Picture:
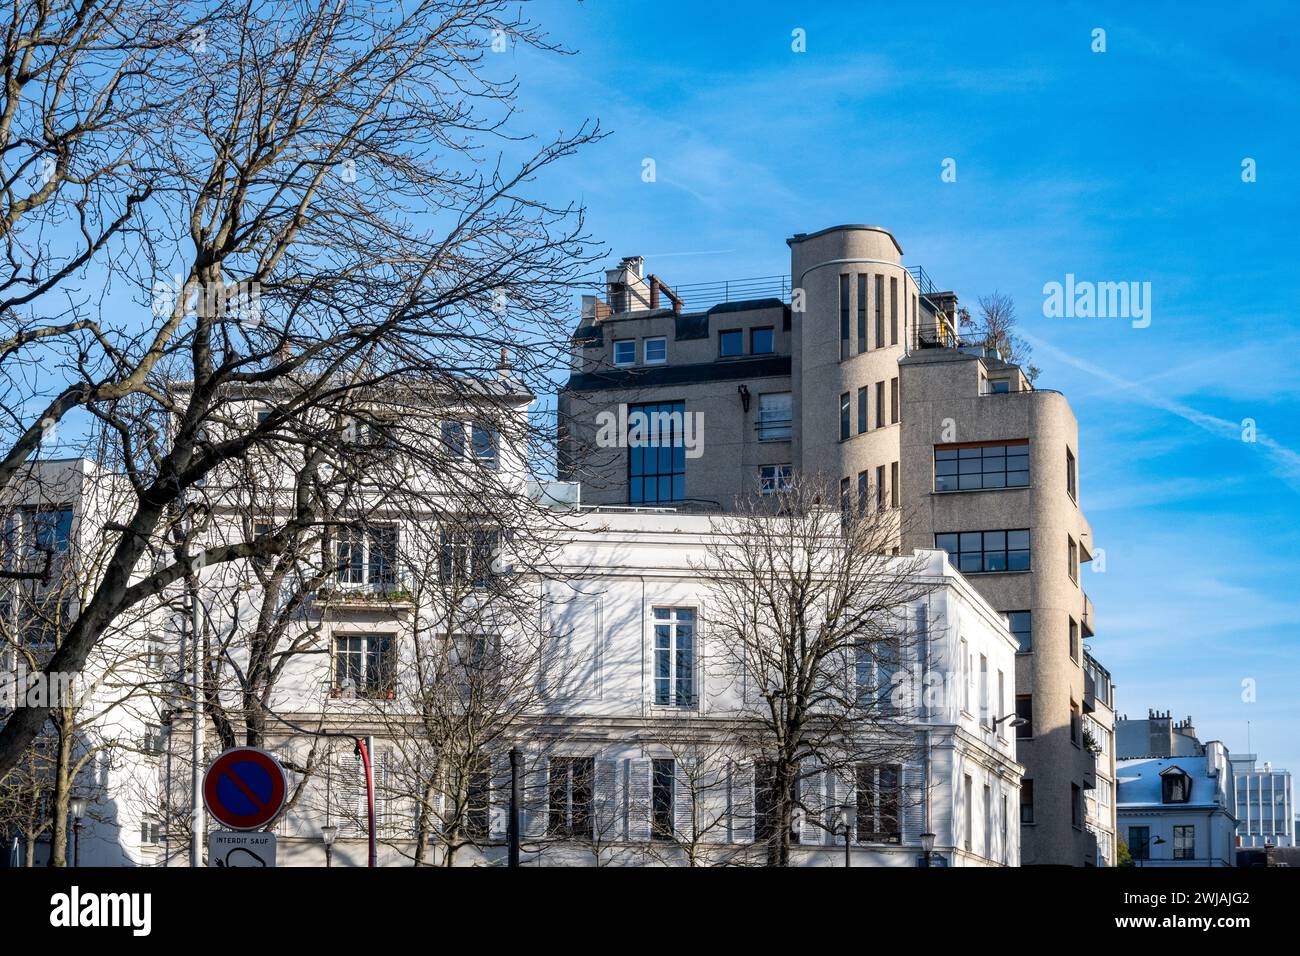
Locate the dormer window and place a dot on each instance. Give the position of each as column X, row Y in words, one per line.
column 625, row 352
column 1175, row 786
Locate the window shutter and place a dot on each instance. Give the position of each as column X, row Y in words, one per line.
column 812, row 832
column 499, row 799
column 609, row 801
column 741, row 809
column 348, row 811
column 536, row 798
column 684, row 796
column 913, row 804
column 839, row 800
column 638, row 804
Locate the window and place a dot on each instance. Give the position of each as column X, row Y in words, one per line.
column 974, row 552
column 1076, row 805
column 981, row 466
column 862, row 312
column 893, row 485
column 44, row 530
column 152, row 740
column 893, row 400
column 844, row 495
column 1139, row 843
column 465, row 557
column 1076, row 725
column 661, row 800
column 875, row 669
column 880, row 404
column 964, row 664
column 150, row 831
column 775, row 416
column 967, row 814
column 986, row 716
column 844, row 317
column 1074, row 641
column 880, row 312
column 1026, row 801
column 893, row 310
column 1025, row 711
column 1022, row 629
column 880, row 487
column 1175, row 786
column 988, row 822
column 363, row 665
column 453, row 439
column 1006, row 850
column 656, row 351
column 762, row 341
column 1072, row 556
column 999, row 705
column 1071, row 475
column 263, row 416
column 879, row 796
column 624, row 352
column 478, row 802
column 656, row 468
column 366, row 554
column 674, row 636
column 570, row 797
column 1184, row 843
column 844, row 416
column 731, row 343
column 864, row 486
column 999, row 386
column 862, row 410
column 483, row 441
column 774, row 479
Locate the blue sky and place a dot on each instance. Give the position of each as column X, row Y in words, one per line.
column 1117, row 166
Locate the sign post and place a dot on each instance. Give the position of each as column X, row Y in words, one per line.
column 244, row 789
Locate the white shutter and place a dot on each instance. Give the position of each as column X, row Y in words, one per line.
column 536, row 798
column 685, row 793
column 638, row 803
column 499, row 799
column 609, row 801
column 345, row 794
column 912, row 809
column 812, row 832
column 741, row 808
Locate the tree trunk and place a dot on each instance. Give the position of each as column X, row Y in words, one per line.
column 62, row 794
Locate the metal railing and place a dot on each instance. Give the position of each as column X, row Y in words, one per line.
column 698, row 296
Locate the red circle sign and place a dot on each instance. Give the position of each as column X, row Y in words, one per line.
column 244, row 788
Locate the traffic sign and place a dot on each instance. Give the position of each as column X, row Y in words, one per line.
column 240, row 849
column 244, row 788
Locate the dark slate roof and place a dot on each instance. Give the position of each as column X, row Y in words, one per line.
column 772, row 366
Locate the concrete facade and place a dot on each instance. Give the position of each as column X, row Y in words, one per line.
column 1265, row 803
column 880, row 388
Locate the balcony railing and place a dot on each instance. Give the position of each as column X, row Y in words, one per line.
column 774, row 429
column 699, row 296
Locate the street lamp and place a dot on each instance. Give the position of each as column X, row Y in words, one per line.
column 1148, row 845
column 844, row 824
column 328, row 834
column 927, row 847
column 77, row 807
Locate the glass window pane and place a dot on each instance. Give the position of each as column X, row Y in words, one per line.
column 1018, row 539
column 1018, row 561
column 971, row 541
column 948, row 542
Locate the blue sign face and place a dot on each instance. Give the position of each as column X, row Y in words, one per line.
column 245, row 788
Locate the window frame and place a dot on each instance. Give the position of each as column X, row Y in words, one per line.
column 982, row 454
column 724, row 336
column 957, row 556
column 384, row 686
column 676, row 450
column 753, row 340
column 645, row 350
column 614, row 347
column 673, row 618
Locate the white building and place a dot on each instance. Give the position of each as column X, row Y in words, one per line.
column 1178, row 810
column 1265, row 806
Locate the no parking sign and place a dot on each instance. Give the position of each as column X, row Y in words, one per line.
column 244, row 788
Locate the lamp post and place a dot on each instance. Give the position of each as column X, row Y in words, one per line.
column 328, row 834
column 76, row 807
column 845, row 825
column 1148, row 845
column 927, row 847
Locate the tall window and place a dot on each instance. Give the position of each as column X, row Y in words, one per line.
column 1184, row 843
column 1072, row 556
column 1025, row 711
column 981, row 466
column 864, row 492
column 1022, row 629
column 879, row 795
column 974, row 552
column 988, row 822
column 893, row 485
column 862, row 410
column 893, row 310
column 483, row 441
column 656, row 470
column 967, row 812
column 880, row 487
column 731, row 343
column 465, row 557
column 880, row 404
column 775, row 416
column 366, row 554
column 1071, row 475
column 1074, row 641
column 1076, row 805
column 661, row 799
column 1076, row 725
column 893, row 400
column 875, row 668
column 1026, row 801
column 674, row 635
column 986, row 716
column 862, row 312
column 880, row 312
column 363, row 664
column 844, row 416
column 844, row 317
column 569, row 810
column 1139, row 843
column 478, row 801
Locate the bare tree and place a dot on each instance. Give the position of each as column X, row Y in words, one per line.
column 807, row 606
column 322, row 219
column 996, row 329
